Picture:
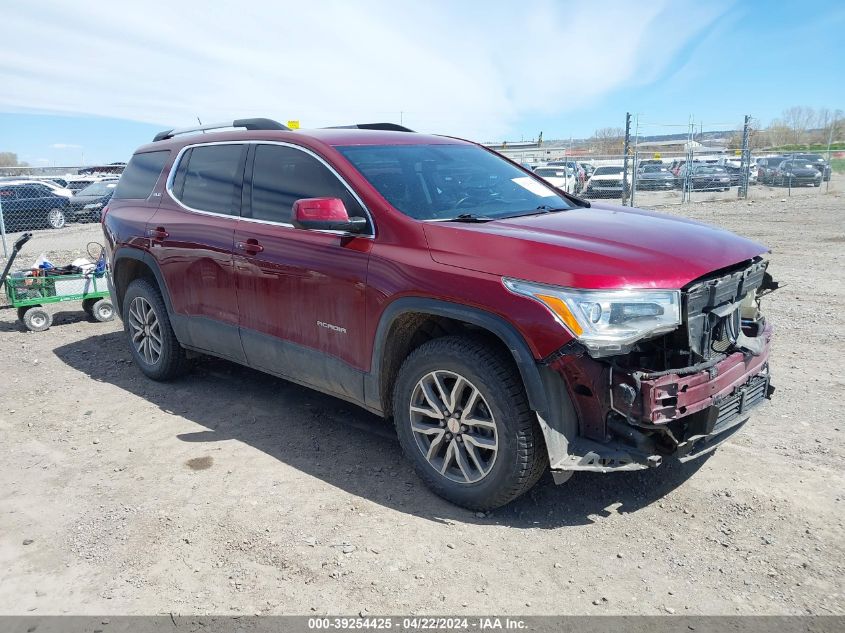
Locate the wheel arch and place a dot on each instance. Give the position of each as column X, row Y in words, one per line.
column 129, row 264
column 407, row 322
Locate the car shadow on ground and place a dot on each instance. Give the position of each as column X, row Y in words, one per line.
column 346, row 446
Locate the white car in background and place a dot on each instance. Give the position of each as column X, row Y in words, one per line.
column 57, row 189
column 559, row 176
column 607, row 181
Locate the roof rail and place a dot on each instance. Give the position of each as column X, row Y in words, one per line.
column 249, row 124
column 392, row 127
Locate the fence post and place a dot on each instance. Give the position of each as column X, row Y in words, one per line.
column 829, row 164
column 745, row 162
column 625, row 199
column 3, row 231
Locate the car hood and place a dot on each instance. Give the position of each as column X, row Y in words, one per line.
column 606, row 246
column 81, row 200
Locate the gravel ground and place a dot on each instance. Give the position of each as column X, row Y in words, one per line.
column 233, row 492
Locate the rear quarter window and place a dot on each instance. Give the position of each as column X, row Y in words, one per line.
column 141, row 174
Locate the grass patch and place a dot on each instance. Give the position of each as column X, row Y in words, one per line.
column 838, row 165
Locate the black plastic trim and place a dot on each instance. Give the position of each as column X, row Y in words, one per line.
column 506, row 332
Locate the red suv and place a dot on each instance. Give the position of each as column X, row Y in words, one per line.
column 505, row 326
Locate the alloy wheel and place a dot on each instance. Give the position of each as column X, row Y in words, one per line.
column 145, row 330
column 454, row 427
column 56, row 218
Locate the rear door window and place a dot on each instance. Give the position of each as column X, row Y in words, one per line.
column 212, row 178
column 141, row 174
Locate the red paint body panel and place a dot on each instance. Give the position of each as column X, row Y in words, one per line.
column 302, row 278
column 599, row 247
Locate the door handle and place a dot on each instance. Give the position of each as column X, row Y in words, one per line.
column 250, row 246
column 157, row 234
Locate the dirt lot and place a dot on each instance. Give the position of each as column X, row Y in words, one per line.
column 233, row 492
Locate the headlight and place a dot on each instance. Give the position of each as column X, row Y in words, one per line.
column 606, row 322
column 93, row 205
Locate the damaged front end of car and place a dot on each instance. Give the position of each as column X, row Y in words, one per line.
column 676, row 393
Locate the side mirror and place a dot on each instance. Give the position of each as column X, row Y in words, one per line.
column 325, row 214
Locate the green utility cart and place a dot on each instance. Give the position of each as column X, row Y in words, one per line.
column 29, row 293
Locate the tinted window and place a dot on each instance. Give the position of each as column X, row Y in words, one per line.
column 140, row 175
column 213, row 178
column 282, row 175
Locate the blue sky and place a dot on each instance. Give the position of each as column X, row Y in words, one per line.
column 101, row 81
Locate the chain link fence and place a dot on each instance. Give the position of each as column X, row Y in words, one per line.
column 649, row 164
column 51, row 199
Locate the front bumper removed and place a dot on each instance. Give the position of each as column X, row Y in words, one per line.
column 696, row 409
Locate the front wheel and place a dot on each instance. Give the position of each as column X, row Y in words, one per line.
column 37, row 319
column 463, row 420
column 55, row 218
column 152, row 341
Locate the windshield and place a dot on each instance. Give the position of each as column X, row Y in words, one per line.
column 604, row 171
column 653, row 169
column 441, row 182
column 550, row 172
column 97, row 189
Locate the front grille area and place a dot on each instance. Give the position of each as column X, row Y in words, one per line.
column 703, row 299
column 741, row 400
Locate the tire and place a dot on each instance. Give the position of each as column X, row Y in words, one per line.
column 56, row 218
column 88, row 306
column 37, row 319
column 493, row 478
column 103, row 310
column 161, row 357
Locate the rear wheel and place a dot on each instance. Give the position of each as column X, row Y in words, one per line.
column 152, row 341
column 37, row 319
column 463, row 420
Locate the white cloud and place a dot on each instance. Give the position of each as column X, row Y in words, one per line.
column 65, row 146
column 474, row 69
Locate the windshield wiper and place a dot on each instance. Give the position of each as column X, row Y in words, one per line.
column 467, row 217
column 543, row 208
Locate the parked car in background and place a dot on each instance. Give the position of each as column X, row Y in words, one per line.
column 766, row 168
column 818, row 162
column 733, row 165
column 88, row 203
column 560, row 177
column 31, row 205
column 705, row 177
column 588, row 169
column 57, row 188
column 655, row 177
column 75, row 183
column 675, row 167
column 577, row 169
column 796, row 173
column 505, row 327
column 606, row 182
